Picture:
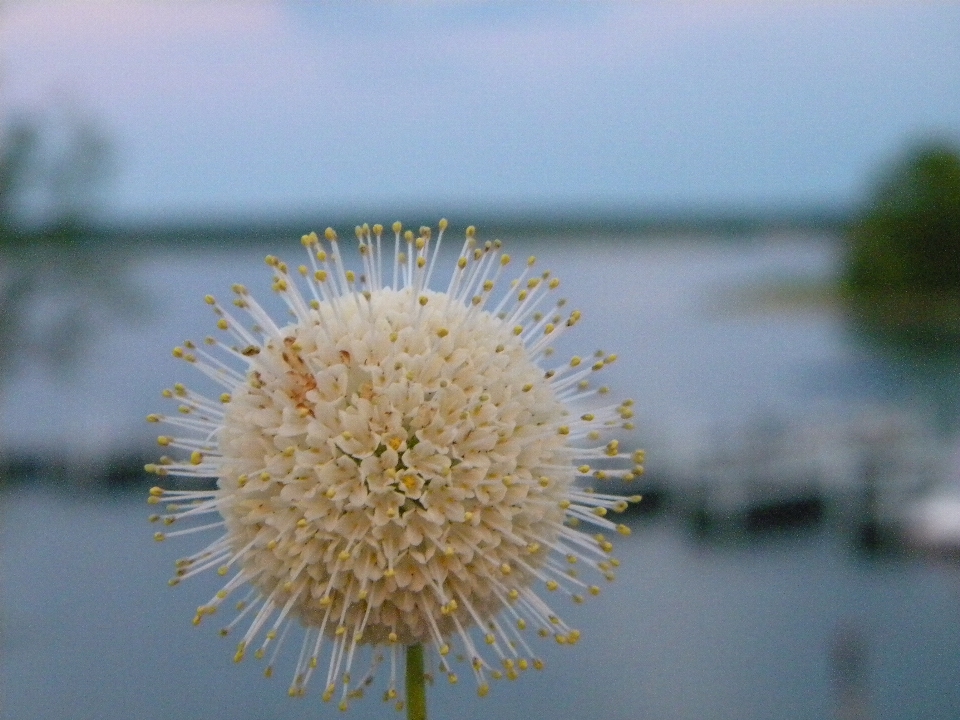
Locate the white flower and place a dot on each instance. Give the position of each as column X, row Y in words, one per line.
column 394, row 466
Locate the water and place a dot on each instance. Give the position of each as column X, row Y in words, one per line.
column 91, row 631
column 690, row 630
column 692, row 350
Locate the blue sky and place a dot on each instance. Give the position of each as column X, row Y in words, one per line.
column 252, row 109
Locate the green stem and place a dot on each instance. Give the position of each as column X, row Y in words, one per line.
column 416, row 684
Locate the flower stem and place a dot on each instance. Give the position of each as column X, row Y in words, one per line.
column 416, row 684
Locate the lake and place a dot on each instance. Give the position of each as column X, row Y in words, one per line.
column 790, row 624
column 689, row 630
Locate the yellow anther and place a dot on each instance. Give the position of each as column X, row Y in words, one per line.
column 505, row 568
column 489, row 639
column 330, row 234
column 563, row 430
column 521, row 624
column 483, row 690
column 552, row 585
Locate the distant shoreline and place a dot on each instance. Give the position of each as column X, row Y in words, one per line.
column 730, row 225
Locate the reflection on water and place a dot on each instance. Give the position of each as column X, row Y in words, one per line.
column 795, row 625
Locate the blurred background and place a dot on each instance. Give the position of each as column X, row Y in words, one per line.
column 755, row 204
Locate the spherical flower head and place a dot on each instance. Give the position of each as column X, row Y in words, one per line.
column 394, row 466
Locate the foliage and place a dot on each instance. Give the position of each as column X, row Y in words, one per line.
column 903, row 262
column 52, row 281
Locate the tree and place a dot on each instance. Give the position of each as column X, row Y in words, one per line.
column 903, row 260
column 52, row 279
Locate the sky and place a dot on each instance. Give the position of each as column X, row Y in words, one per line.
column 265, row 109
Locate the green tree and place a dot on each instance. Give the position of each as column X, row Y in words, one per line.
column 903, row 261
column 53, row 279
